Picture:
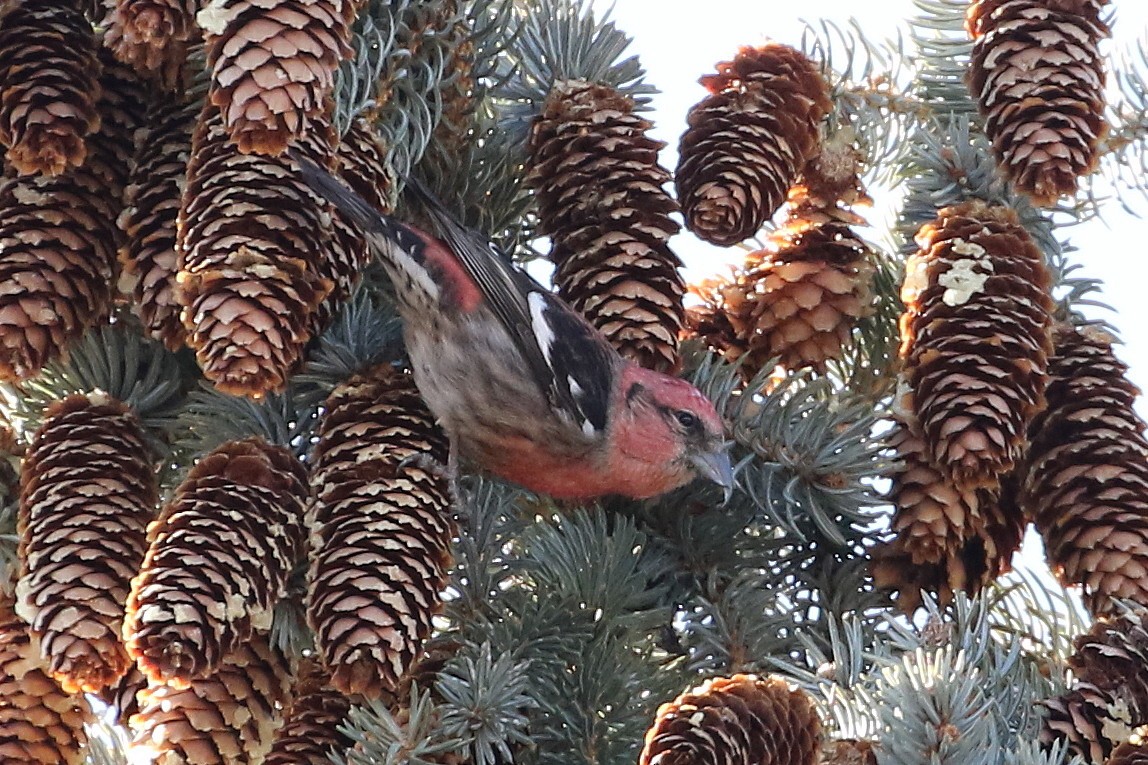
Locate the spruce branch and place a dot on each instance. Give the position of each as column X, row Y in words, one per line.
column 365, row 332
column 628, row 572
column 557, row 40
column 805, row 452
column 117, row 360
column 484, row 703
column 403, row 61
column 1124, row 150
column 943, row 53
column 211, row 418
column 381, row 738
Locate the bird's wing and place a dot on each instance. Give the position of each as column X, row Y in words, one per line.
column 568, row 358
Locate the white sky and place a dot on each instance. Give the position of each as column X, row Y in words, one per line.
column 677, row 41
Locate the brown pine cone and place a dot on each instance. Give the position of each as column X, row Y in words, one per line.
column 151, row 210
column 1038, row 76
column 380, row 545
column 1129, row 753
column 311, row 724
column 1087, row 470
column 218, row 559
column 49, row 85
column 1113, row 656
column 40, row 724
column 599, row 186
column 1089, row 720
column 739, row 720
column 745, row 143
column 848, row 751
column 225, row 719
column 975, row 339
column 947, row 539
column 798, row 299
column 88, row 490
column 251, row 239
column 58, row 239
column 154, row 36
column 273, row 67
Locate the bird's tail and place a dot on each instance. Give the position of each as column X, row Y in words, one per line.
column 356, row 209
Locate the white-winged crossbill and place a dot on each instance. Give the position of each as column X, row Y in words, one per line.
column 523, row 385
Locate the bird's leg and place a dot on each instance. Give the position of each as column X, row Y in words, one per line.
column 448, row 472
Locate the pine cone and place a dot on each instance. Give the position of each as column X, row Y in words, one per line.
column 88, row 491
column 1090, row 720
column 599, row 188
column 459, row 90
column 380, row 545
column 311, row 725
column 218, row 559
column 154, row 36
column 273, row 66
column 58, row 239
column 975, row 338
column 40, row 724
column 1038, row 77
column 848, row 751
column 1086, row 472
column 799, row 298
column 739, row 720
column 1113, row 656
column 48, row 85
column 226, row 719
column 947, row 540
column 745, row 143
column 360, row 159
column 123, row 697
column 251, row 237
column 1129, row 754
column 151, row 211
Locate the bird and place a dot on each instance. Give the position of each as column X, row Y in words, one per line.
column 523, row 386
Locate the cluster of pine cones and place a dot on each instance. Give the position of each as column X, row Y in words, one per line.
column 146, row 164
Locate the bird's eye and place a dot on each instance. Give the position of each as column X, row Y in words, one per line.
column 686, row 419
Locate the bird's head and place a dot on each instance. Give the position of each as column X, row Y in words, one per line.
column 665, row 433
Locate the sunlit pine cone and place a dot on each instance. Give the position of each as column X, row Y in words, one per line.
column 273, row 66
column 1086, row 475
column 975, row 339
column 49, row 84
column 739, row 720
column 154, row 36
column 251, row 242
column 40, row 724
column 88, row 490
column 151, row 210
column 746, row 142
column 601, row 201
column 1091, row 721
column 1038, row 76
column 798, row 299
column 218, row 559
column 311, row 724
column 381, row 525
column 58, row 238
column 227, row 718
